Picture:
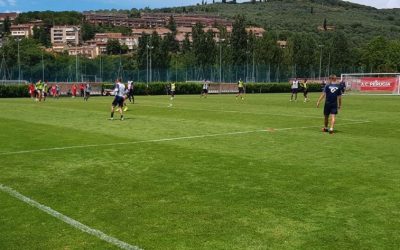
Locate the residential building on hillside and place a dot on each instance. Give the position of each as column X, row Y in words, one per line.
column 101, row 40
column 65, row 34
column 20, row 31
column 154, row 20
column 88, row 51
column 12, row 16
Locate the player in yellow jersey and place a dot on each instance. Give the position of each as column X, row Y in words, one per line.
column 304, row 86
column 240, row 89
column 172, row 90
column 39, row 90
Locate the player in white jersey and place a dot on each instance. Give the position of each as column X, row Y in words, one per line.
column 295, row 89
column 130, row 89
column 204, row 92
column 119, row 99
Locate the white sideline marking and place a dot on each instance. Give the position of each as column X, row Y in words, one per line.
column 248, row 112
column 68, row 220
column 170, row 139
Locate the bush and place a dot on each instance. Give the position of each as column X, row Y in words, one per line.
column 14, row 91
column 276, row 88
column 161, row 88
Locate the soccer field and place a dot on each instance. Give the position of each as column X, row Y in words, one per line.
column 215, row 173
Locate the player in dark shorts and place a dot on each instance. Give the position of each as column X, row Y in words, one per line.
column 295, row 89
column 240, row 89
column 304, row 86
column 333, row 103
column 342, row 87
column 88, row 89
column 119, row 99
column 131, row 87
column 204, row 92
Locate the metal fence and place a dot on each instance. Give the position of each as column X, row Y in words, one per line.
column 91, row 71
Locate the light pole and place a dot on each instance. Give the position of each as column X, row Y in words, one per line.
column 320, row 60
column 220, row 59
column 253, row 73
column 149, row 74
column 42, row 67
column 19, row 64
column 329, row 64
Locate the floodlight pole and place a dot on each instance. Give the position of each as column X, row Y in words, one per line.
column 149, row 68
column 42, row 67
column 220, row 59
column 320, row 60
column 253, row 73
column 147, row 64
column 19, row 64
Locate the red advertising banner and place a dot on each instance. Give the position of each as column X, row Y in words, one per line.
column 379, row 84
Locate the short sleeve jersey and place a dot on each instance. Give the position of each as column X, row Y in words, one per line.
column 119, row 89
column 332, row 91
column 295, row 84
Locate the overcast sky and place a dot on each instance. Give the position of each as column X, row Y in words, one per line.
column 28, row 5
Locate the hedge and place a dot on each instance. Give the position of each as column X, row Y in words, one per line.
column 277, row 88
column 14, row 91
column 161, row 88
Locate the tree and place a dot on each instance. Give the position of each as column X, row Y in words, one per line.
column 239, row 41
column 303, row 53
column 172, row 45
column 88, row 31
column 115, row 48
column 375, row 55
column 340, row 53
column 42, row 35
column 172, row 24
column 204, row 47
column 7, row 25
column 144, row 40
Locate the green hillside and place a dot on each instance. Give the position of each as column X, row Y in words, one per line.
column 358, row 21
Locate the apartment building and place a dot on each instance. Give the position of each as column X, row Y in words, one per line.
column 89, row 51
column 65, row 35
column 12, row 16
column 21, row 31
column 101, row 40
column 154, row 20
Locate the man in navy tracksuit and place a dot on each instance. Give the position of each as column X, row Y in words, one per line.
column 333, row 94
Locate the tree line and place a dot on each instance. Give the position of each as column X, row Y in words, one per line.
column 239, row 54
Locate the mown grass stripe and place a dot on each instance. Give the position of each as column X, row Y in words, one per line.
column 68, row 220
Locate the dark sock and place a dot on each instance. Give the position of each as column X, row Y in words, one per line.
column 112, row 114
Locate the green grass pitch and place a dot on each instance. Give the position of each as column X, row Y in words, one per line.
column 186, row 177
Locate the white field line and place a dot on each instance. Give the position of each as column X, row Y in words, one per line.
column 68, row 220
column 247, row 112
column 170, row 139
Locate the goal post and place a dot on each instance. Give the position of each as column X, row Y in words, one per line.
column 372, row 83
